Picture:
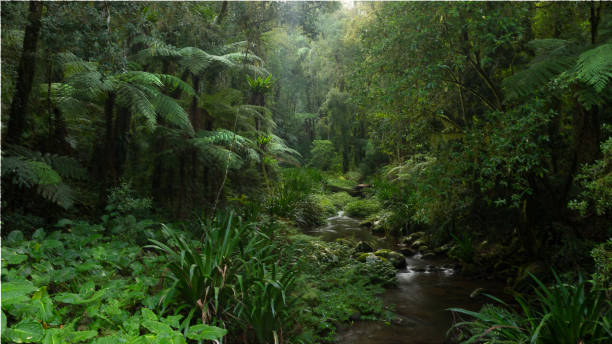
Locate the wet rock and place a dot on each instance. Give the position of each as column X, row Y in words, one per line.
column 408, row 252
column 363, row 246
column 428, row 255
column 355, row 316
column 397, row 259
column 423, row 248
column 419, row 242
column 443, row 249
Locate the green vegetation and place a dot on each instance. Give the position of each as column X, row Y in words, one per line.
column 159, row 161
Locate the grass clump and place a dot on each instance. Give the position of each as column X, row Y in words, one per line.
column 559, row 314
column 362, row 208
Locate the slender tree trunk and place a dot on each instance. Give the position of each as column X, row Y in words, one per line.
column 25, row 75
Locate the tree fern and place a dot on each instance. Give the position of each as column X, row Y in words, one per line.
column 594, row 66
column 167, row 108
column 26, row 172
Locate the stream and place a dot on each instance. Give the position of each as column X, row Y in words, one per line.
column 426, row 288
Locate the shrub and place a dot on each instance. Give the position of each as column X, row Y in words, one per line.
column 325, row 203
column 341, row 199
column 323, row 156
column 362, row 208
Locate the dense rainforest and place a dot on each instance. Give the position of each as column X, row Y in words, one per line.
column 306, row 172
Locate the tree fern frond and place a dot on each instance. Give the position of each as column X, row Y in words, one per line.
column 549, row 46
column 135, row 99
column 535, row 76
column 87, row 85
column 279, row 149
column 72, row 64
column 29, row 173
column 155, row 48
column 222, row 137
column 167, row 108
column 60, row 194
column 594, row 66
column 66, row 166
column 172, row 83
column 224, row 49
column 140, row 78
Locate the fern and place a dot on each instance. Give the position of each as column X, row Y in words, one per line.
column 594, row 66
column 28, row 173
column 167, row 108
column 67, row 167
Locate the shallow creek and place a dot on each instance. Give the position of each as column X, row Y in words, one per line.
column 426, row 288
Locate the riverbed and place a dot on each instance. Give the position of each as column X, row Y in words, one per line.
column 426, row 289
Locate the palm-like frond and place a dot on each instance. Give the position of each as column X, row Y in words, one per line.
column 167, row 108
column 279, row 150
column 31, row 169
column 594, row 66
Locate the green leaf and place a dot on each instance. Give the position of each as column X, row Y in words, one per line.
column 3, row 317
column 156, row 326
column 43, row 303
column 76, row 299
column 79, row 336
column 16, row 292
column 25, row 332
column 200, row 332
column 148, row 314
column 13, row 258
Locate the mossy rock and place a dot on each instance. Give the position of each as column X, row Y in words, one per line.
column 362, row 208
column 367, row 257
column 397, row 259
column 363, row 246
column 411, row 238
column 419, row 243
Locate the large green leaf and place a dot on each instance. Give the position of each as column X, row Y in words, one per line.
column 44, row 305
column 200, row 332
column 16, row 292
column 76, row 299
column 25, row 332
column 156, row 326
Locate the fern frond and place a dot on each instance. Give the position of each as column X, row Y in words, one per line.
column 65, row 166
column 168, row 109
column 594, row 66
column 279, row 149
column 536, row 76
column 172, row 83
column 138, row 101
column 31, row 173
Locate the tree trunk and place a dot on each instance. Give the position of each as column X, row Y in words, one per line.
column 25, row 75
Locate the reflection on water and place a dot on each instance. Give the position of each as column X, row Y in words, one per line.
column 426, row 288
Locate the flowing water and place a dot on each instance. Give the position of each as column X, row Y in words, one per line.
column 426, row 288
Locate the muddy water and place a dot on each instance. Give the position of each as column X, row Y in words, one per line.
column 426, row 288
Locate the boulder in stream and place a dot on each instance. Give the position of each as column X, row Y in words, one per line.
column 397, row 259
